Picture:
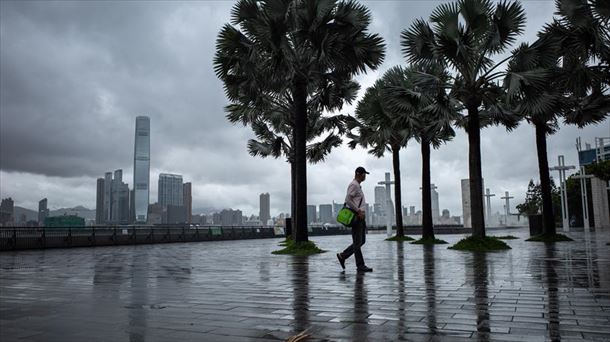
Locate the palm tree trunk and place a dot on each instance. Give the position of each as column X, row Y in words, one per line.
column 300, row 158
column 400, row 232
column 292, row 198
column 474, row 171
column 427, row 224
column 545, row 181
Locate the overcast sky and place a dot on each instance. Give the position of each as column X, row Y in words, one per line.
column 74, row 75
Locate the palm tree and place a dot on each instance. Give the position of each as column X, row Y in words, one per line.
column 465, row 34
column 429, row 112
column 275, row 140
column 531, row 87
column 383, row 129
column 272, row 122
column 583, row 27
column 552, row 79
column 296, row 49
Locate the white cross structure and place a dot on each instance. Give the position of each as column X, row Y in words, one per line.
column 562, row 168
column 507, row 198
column 488, row 197
column 388, row 203
column 583, row 192
column 432, row 187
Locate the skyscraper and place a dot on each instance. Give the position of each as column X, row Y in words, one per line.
column 466, row 210
column 187, row 200
column 99, row 202
column 7, row 211
column 380, row 195
column 311, row 214
column 141, row 168
column 265, row 209
column 119, row 203
column 326, row 213
column 43, row 212
column 171, row 191
column 107, row 197
column 436, row 213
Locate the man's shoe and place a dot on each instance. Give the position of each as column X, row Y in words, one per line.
column 365, row 269
column 341, row 260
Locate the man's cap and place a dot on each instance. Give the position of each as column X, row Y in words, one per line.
column 361, row 170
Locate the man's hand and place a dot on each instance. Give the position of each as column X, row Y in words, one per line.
column 360, row 214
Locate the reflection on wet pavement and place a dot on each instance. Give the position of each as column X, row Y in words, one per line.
column 238, row 291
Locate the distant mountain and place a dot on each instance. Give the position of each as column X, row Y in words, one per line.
column 32, row 215
column 80, row 211
column 206, row 211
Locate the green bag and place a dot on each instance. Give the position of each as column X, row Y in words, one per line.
column 345, row 216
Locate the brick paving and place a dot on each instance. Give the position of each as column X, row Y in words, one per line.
column 238, row 291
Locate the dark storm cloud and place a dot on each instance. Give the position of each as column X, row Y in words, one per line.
column 74, row 75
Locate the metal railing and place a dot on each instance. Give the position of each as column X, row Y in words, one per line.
column 19, row 238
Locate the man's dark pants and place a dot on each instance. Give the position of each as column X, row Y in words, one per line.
column 358, row 239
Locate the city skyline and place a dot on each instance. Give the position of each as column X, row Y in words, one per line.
column 159, row 65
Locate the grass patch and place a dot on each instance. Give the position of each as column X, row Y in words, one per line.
column 400, row 238
column 299, row 248
column 477, row 244
column 506, row 237
column 549, row 238
column 428, row 241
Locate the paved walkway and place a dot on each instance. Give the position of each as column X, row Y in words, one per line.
column 238, row 291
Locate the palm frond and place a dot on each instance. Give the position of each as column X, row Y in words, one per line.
column 265, row 149
column 318, row 151
column 508, row 22
column 476, row 14
column 418, row 42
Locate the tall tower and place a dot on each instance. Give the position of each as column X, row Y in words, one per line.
column 187, row 195
column 265, row 210
column 141, row 168
column 170, row 190
column 107, row 196
column 99, row 202
column 43, row 212
column 436, row 213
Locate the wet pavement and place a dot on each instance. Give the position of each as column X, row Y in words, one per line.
column 238, row 291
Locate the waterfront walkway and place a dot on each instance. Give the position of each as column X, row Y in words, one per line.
column 238, row 291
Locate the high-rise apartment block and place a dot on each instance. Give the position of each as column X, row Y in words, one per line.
column 112, row 199
column 436, row 213
column 466, row 209
column 99, row 202
column 311, row 214
column 141, row 168
column 326, row 213
column 265, row 209
column 7, row 211
column 171, row 191
column 43, row 211
column 187, row 195
column 229, row 217
column 107, row 196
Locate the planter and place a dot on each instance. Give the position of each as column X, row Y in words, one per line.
column 535, row 223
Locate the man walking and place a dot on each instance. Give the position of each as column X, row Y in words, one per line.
column 354, row 200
